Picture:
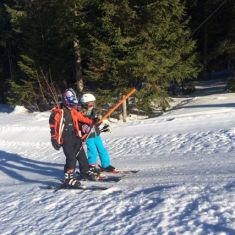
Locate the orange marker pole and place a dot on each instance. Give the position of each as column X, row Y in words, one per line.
column 117, row 105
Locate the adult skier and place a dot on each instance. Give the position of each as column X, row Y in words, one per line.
column 94, row 142
column 65, row 131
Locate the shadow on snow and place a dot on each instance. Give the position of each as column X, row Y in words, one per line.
column 17, row 167
column 209, row 228
column 6, row 108
column 151, row 190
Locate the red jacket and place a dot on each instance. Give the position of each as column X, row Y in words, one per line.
column 57, row 125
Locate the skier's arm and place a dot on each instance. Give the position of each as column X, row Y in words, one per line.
column 83, row 119
column 53, row 122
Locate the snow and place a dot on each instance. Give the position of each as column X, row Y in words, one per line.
column 186, row 182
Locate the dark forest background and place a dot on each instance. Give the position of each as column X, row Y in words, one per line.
column 105, row 47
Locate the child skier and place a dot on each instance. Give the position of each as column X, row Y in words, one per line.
column 64, row 125
column 94, row 142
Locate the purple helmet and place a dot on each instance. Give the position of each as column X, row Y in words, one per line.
column 70, row 97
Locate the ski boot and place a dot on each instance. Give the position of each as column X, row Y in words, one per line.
column 95, row 170
column 71, row 182
column 89, row 175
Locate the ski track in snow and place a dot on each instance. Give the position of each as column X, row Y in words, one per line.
column 204, row 142
column 186, row 184
column 172, row 209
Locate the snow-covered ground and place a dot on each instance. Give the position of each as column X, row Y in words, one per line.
column 186, row 182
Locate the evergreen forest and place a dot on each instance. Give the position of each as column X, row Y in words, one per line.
column 106, row 47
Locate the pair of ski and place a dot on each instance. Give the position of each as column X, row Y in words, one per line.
column 106, row 179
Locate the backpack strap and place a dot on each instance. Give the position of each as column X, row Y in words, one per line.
column 61, row 126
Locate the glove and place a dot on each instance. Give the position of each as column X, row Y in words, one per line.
column 55, row 145
column 106, row 128
column 86, row 129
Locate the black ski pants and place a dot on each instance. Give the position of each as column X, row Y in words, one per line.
column 71, row 146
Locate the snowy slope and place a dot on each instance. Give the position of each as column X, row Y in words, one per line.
column 186, row 184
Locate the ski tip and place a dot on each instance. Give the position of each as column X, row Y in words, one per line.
column 118, row 171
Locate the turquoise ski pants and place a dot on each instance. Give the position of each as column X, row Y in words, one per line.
column 94, row 146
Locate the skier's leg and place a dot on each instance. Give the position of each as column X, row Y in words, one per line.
column 103, row 153
column 70, row 165
column 91, row 151
column 82, row 160
column 68, row 148
column 85, row 172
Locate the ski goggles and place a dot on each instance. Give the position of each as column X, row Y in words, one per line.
column 70, row 98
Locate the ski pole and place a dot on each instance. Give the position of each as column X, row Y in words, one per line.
column 83, row 140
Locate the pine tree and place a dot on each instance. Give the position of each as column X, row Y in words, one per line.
column 226, row 46
column 111, row 44
column 104, row 39
column 132, row 40
column 3, row 50
column 225, row 43
column 8, row 48
column 213, row 27
column 47, row 30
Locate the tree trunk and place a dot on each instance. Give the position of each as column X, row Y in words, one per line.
column 78, row 67
column 120, row 108
column 124, row 111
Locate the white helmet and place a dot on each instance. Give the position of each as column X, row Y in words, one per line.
column 87, row 98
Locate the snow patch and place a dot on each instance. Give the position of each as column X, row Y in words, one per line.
column 186, row 182
column 20, row 109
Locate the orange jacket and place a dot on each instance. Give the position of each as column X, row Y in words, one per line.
column 56, row 122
